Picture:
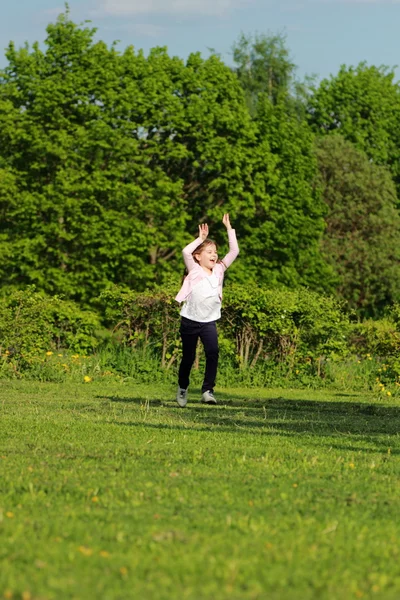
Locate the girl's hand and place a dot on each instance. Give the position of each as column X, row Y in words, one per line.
column 203, row 231
column 226, row 221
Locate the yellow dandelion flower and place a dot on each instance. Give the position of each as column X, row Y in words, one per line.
column 104, row 553
column 8, row 594
column 389, row 393
column 352, row 465
column 268, row 545
column 368, row 354
column 123, row 571
column 10, row 514
column 26, row 595
column 49, row 353
column 59, row 355
column 87, row 379
column 95, row 499
column 85, row 551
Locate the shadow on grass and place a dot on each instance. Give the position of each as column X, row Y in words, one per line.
column 346, row 421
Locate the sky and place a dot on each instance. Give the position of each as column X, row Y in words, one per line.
column 320, row 34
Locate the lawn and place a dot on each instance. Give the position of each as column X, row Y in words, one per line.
column 110, row 491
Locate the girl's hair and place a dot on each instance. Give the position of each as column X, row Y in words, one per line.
column 207, row 242
column 203, row 245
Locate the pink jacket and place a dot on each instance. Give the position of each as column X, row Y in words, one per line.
column 196, row 273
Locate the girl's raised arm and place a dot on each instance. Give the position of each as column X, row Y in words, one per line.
column 233, row 245
column 190, row 248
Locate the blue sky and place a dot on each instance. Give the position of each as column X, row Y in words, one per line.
column 321, row 34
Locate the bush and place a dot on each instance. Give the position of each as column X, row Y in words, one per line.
column 258, row 326
column 32, row 323
column 283, row 326
column 267, row 337
column 380, row 339
column 146, row 320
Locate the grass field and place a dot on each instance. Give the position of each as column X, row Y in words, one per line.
column 113, row 492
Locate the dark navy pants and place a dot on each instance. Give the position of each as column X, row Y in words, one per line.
column 190, row 332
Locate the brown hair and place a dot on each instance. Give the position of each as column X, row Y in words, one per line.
column 207, row 242
column 203, row 245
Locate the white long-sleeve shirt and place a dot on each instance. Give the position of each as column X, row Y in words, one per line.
column 204, row 303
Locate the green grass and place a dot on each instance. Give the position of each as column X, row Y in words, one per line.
column 111, row 491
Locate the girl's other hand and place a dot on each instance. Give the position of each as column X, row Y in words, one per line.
column 203, row 231
column 226, row 221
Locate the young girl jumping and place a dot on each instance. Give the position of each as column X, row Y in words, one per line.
column 201, row 294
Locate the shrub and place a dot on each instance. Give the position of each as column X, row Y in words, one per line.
column 32, row 323
column 145, row 320
column 257, row 325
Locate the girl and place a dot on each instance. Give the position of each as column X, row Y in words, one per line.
column 201, row 294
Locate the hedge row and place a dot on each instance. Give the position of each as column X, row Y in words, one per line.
column 259, row 326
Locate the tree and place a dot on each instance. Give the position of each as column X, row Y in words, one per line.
column 110, row 158
column 109, row 161
column 87, row 192
column 362, row 236
column 363, row 105
column 283, row 235
column 263, row 66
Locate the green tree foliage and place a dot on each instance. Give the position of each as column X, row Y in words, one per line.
column 362, row 104
column 285, row 233
column 108, row 162
column 89, row 192
column 263, row 66
column 362, row 237
column 108, row 152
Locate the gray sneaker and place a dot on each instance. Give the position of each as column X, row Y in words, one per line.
column 208, row 398
column 181, row 397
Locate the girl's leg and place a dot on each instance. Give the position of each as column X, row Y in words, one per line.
column 209, row 337
column 189, row 331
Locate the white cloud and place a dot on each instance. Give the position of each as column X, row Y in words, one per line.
column 130, row 8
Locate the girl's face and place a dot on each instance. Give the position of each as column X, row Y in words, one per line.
column 208, row 257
